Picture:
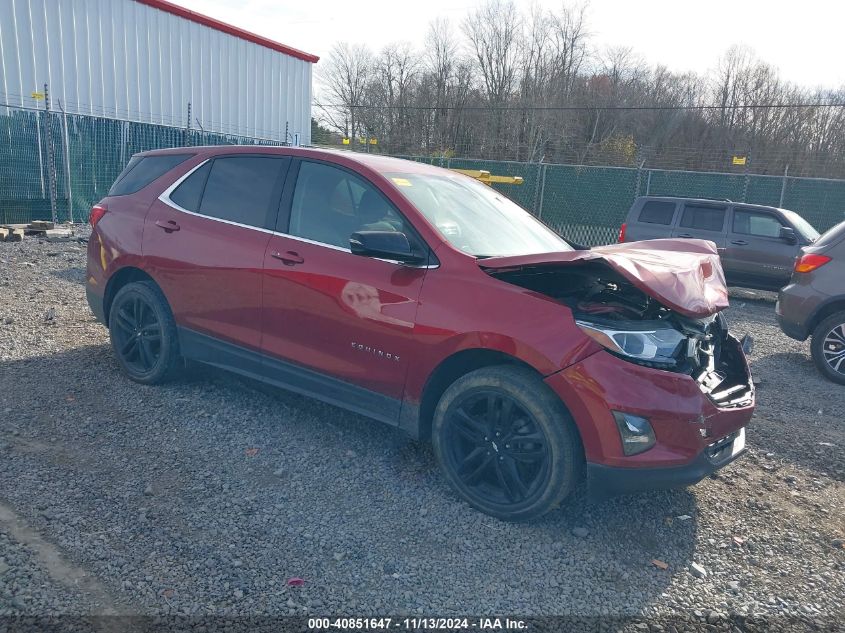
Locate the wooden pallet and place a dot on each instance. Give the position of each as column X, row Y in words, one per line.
column 15, row 232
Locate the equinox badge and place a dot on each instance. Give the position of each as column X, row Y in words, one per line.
column 374, row 351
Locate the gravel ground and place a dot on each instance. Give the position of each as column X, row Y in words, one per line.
column 207, row 496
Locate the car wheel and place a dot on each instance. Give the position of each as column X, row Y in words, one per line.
column 506, row 443
column 828, row 347
column 143, row 333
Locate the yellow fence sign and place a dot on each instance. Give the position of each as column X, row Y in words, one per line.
column 38, row 96
column 740, row 160
column 345, row 141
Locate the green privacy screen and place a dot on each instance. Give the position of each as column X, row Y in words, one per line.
column 79, row 157
column 588, row 204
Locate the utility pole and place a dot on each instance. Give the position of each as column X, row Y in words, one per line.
column 783, row 186
column 51, row 158
column 187, row 142
column 67, row 164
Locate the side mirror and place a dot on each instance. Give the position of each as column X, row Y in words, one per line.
column 787, row 234
column 384, row 244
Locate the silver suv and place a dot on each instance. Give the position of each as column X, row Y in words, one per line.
column 757, row 244
column 814, row 302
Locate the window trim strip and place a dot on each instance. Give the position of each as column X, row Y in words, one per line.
column 165, row 198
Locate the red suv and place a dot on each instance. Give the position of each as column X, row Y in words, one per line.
column 429, row 301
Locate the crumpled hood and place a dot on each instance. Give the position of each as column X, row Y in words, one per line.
column 684, row 275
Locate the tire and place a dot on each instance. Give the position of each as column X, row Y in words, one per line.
column 533, row 463
column 828, row 347
column 143, row 334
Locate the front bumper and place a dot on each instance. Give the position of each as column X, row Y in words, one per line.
column 686, row 419
column 609, row 480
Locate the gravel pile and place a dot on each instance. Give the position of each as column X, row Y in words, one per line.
column 215, row 495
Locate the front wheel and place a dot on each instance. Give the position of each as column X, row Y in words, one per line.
column 506, row 443
column 828, row 347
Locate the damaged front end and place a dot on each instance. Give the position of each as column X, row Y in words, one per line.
column 636, row 327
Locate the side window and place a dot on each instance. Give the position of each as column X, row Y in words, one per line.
column 188, row 194
column 242, row 189
column 703, row 218
column 756, row 223
column 330, row 204
column 142, row 170
column 656, row 212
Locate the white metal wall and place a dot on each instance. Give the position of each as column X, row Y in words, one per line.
column 126, row 60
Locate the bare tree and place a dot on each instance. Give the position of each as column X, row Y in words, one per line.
column 344, row 79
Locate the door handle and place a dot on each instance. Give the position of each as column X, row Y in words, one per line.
column 169, row 226
column 687, row 235
column 288, row 258
column 740, row 242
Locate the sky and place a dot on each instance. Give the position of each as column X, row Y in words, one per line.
column 804, row 40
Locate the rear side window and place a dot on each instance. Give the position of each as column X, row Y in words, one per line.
column 655, row 212
column 703, row 218
column 142, row 170
column 756, row 223
column 189, row 194
column 242, row 189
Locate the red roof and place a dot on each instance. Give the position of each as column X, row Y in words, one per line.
column 199, row 18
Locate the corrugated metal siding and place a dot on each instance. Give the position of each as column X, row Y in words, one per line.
column 126, row 60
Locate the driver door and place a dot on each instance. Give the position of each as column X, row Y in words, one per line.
column 346, row 317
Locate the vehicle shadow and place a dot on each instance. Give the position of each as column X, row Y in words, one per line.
column 309, row 487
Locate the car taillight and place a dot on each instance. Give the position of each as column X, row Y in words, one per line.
column 97, row 212
column 809, row 262
column 622, row 230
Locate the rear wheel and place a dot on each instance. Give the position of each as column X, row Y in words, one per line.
column 143, row 333
column 828, row 347
column 506, row 443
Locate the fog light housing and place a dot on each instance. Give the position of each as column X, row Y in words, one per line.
column 635, row 432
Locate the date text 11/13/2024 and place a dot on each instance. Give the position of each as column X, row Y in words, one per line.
column 441, row 624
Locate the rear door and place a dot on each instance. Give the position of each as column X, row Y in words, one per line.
column 331, row 313
column 204, row 241
column 755, row 254
column 704, row 221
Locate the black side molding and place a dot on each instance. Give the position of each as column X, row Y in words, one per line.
column 213, row 351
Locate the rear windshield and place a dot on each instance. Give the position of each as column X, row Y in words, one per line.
column 832, row 236
column 142, row 170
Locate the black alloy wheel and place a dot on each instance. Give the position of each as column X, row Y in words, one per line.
column 828, row 347
column 137, row 334
column 496, row 448
column 506, row 443
column 143, row 333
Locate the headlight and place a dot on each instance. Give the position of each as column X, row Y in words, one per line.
column 656, row 344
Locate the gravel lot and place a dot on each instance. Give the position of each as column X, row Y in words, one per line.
column 208, row 495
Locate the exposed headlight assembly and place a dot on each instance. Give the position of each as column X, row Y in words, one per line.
column 653, row 343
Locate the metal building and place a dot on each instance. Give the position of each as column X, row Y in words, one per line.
column 145, row 60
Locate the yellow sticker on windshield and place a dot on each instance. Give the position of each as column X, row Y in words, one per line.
column 402, row 182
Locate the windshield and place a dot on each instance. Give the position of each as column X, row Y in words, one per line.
column 807, row 231
column 476, row 218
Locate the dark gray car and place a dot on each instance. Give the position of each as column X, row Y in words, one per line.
column 757, row 244
column 814, row 302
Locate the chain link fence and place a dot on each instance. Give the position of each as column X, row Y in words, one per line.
column 56, row 166
column 588, row 204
